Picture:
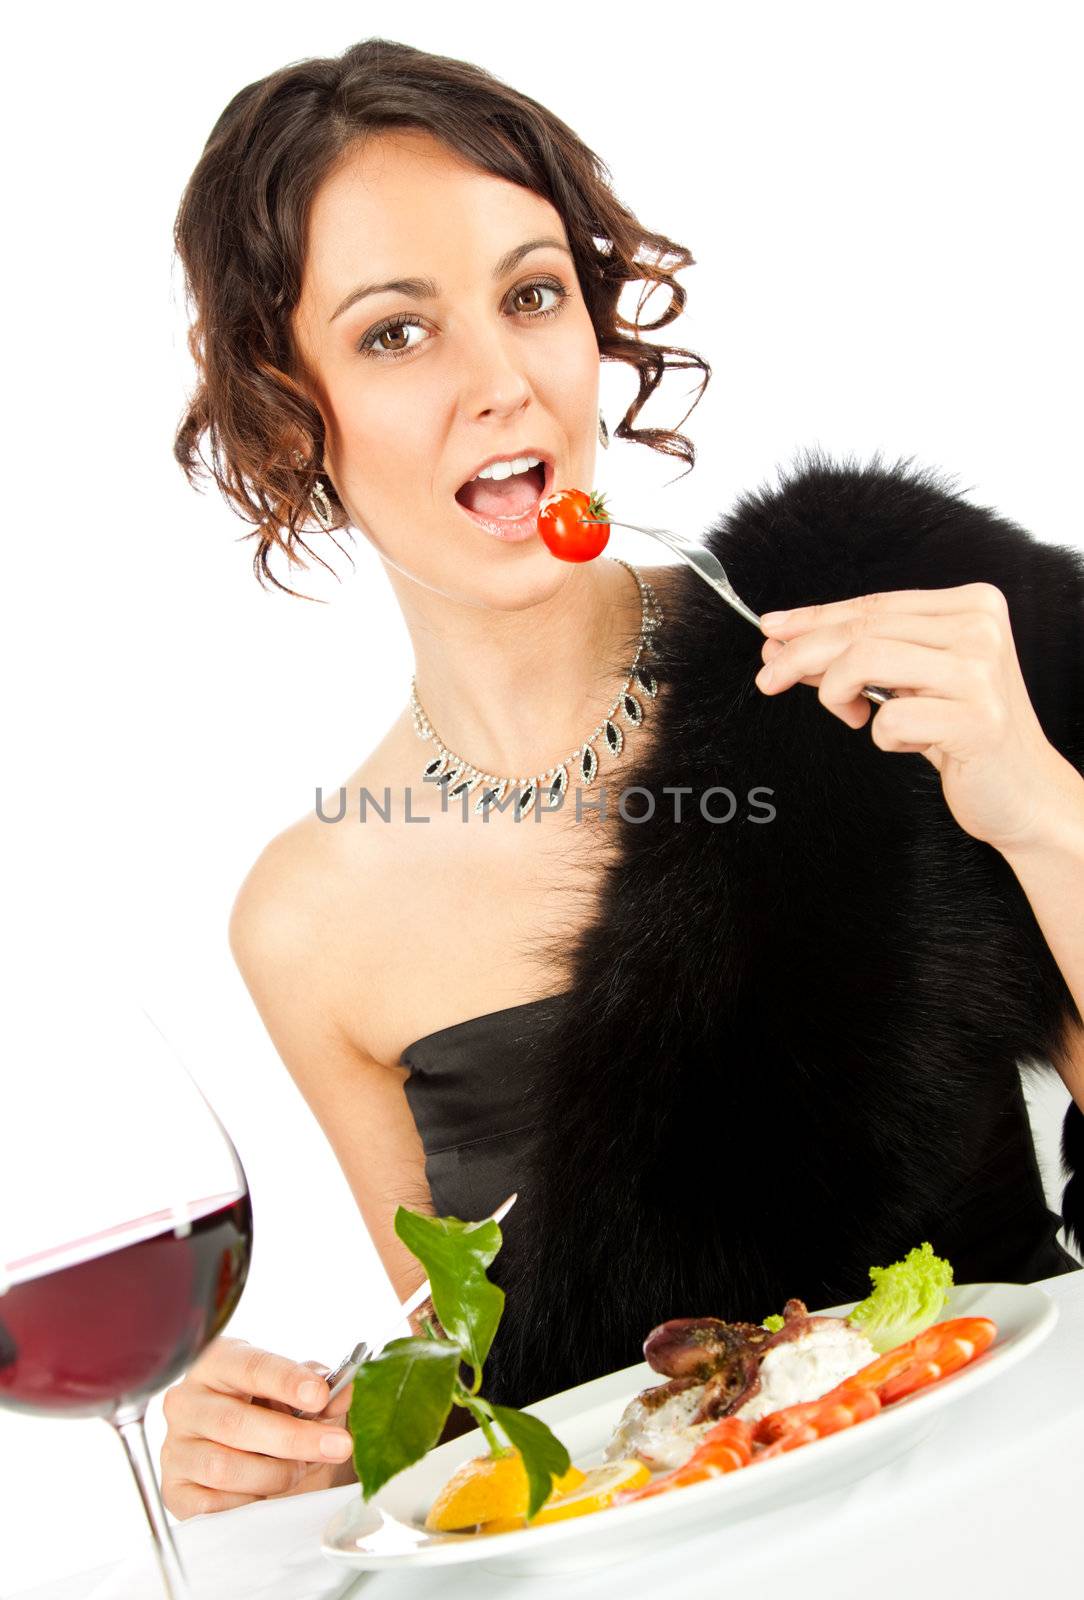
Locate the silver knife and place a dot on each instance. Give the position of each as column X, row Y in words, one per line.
column 344, row 1373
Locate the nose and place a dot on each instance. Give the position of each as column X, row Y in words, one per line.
column 494, row 382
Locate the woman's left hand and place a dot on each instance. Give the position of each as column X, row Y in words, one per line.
column 961, row 700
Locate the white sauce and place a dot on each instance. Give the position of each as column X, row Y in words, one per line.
column 807, row 1367
column 663, row 1436
column 797, row 1370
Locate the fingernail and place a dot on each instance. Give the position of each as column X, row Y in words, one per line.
column 311, row 1395
column 765, row 675
column 336, row 1446
column 772, row 619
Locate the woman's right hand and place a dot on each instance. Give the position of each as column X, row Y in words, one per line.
column 230, row 1437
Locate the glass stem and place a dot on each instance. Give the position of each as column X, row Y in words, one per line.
column 134, row 1439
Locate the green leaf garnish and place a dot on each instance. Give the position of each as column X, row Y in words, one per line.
column 402, row 1397
column 544, row 1456
column 773, row 1323
column 455, row 1256
column 400, row 1403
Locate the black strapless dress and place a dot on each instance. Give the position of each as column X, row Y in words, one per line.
column 468, row 1097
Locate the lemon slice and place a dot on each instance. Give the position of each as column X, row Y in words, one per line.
column 487, row 1488
column 598, row 1488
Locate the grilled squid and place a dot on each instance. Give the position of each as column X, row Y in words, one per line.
column 719, row 1369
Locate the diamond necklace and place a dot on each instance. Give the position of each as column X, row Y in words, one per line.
column 547, row 789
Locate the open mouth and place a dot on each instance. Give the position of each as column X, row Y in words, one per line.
column 504, row 499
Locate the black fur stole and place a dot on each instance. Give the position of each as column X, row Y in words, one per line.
column 788, row 1049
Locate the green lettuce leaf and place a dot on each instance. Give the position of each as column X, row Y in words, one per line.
column 544, row 1456
column 907, row 1297
column 773, row 1323
column 400, row 1403
column 455, row 1256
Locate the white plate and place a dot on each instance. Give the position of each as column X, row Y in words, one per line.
column 389, row 1530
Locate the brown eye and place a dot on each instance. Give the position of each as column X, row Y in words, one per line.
column 393, row 338
column 389, row 340
column 537, row 293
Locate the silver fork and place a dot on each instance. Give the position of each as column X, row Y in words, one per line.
column 711, row 569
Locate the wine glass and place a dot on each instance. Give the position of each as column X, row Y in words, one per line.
column 125, row 1227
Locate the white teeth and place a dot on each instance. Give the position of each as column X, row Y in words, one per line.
column 505, row 469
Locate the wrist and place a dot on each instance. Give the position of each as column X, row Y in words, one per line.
column 1058, row 824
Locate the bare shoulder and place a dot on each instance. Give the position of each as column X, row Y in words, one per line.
column 292, row 889
column 316, row 886
column 306, row 931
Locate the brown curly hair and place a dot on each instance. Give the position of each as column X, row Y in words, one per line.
column 240, row 235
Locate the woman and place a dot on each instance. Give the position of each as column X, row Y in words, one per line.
column 668, row 1033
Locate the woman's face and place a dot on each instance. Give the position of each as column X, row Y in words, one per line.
column 420, row 387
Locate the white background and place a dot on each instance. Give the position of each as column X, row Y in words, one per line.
column 882, row 204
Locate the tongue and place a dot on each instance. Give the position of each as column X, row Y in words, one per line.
column 501, row 497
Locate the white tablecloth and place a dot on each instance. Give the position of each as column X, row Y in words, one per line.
column 992, row 1504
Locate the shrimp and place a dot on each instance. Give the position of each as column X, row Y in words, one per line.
column 724, row 1448
column 943, row 1348
column 791, row 1426
column 732, row 1443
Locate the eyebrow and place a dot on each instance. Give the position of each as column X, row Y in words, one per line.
column 427, row 289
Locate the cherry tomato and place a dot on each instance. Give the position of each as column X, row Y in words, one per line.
column 563, row 524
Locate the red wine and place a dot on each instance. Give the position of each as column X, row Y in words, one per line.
column 124, row 1318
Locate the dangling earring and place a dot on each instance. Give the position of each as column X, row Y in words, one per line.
column 603, row 432
column 319, row 504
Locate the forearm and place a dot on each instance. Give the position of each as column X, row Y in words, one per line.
column 1050, row 869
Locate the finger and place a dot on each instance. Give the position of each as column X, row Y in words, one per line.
column 771, row 648
column 325, row 1477
column 847, row 664
column 233, row 1366
column 809, row 654
column 971, row 633
column 341, row 1403
column 230, row 1471
column 194, row 1500
column 893, row 664
column 923, row 602
column 321, row 1371
column 920, row 724
column 229, row 1420
column 855, row 715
